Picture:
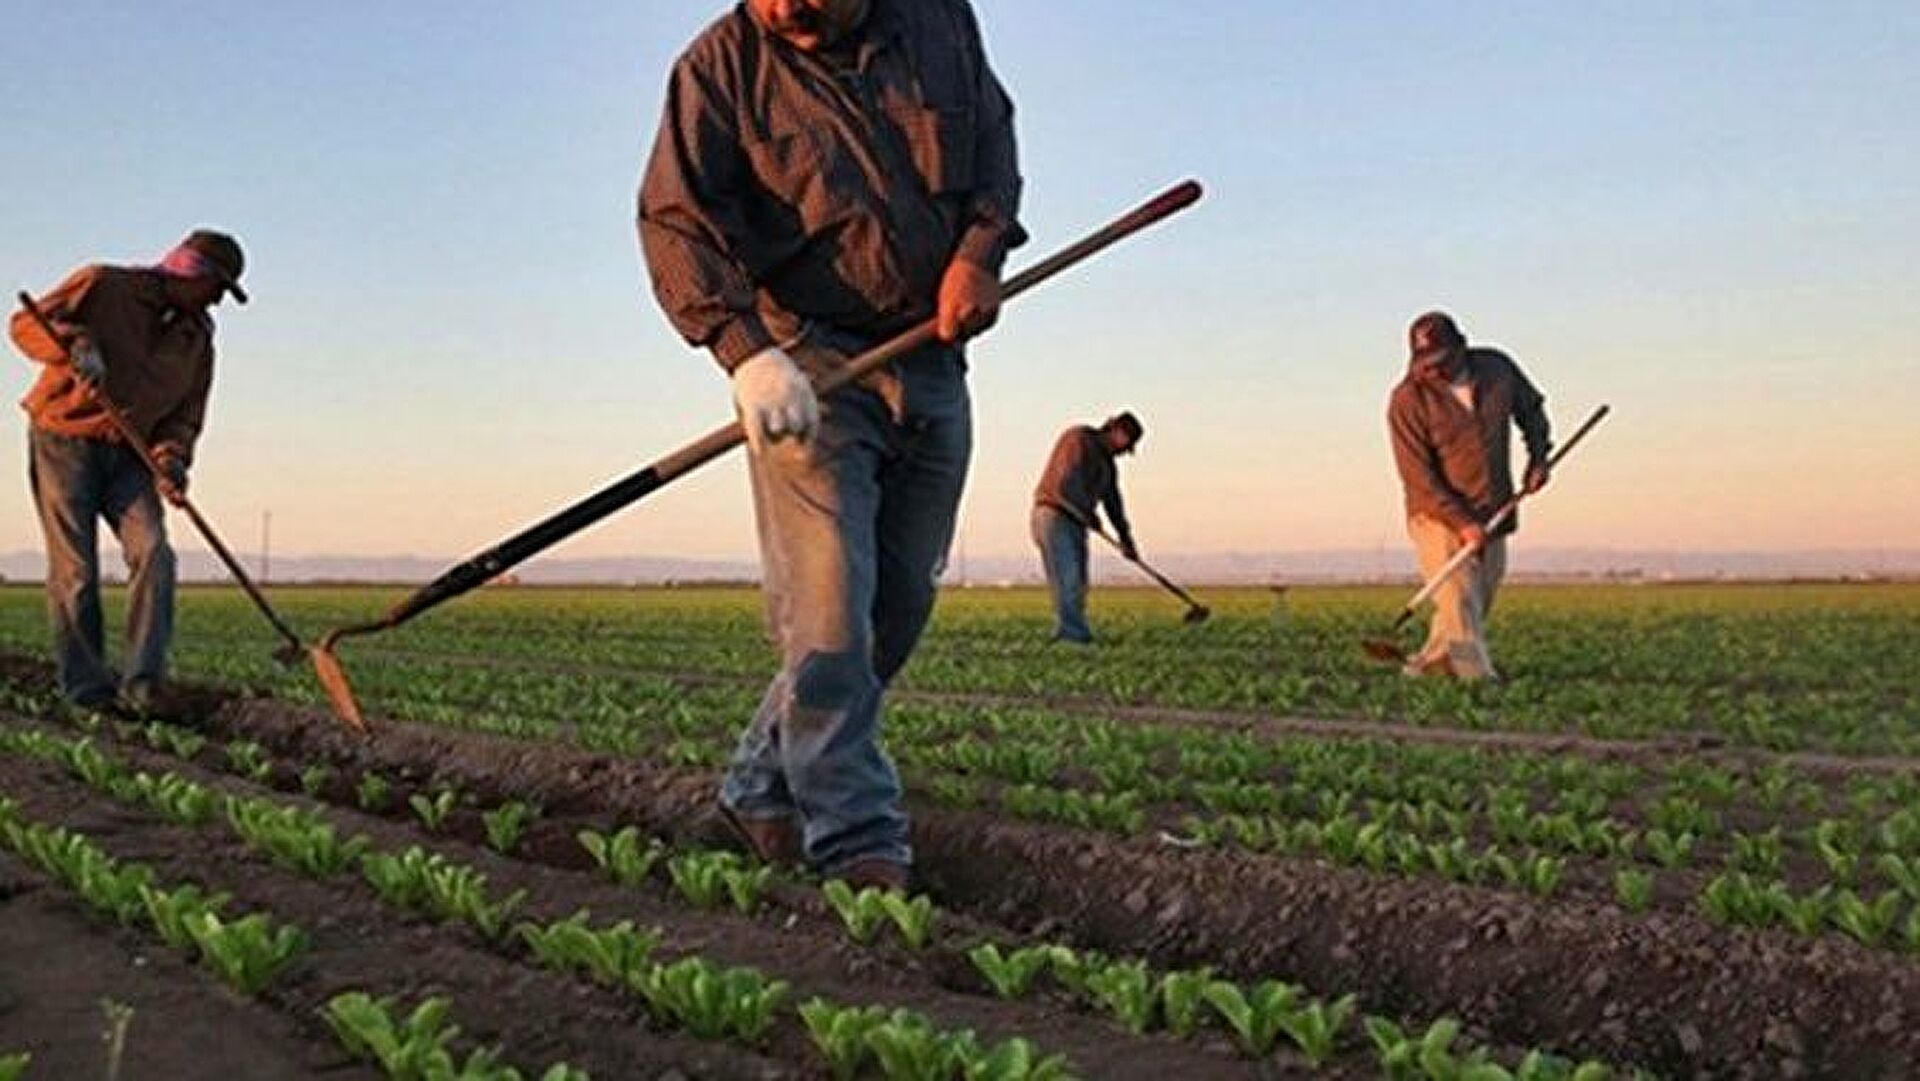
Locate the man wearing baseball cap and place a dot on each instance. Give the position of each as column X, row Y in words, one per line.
column 1082, row 475
column 1450, row 420
column 142, row 336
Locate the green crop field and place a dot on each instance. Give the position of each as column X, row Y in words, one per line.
column 1235, row 846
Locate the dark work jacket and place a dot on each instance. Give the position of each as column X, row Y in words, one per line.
column 1081, row 473
column 1454, row 462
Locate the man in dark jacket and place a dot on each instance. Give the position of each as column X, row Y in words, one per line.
column 143, row 337
column 827, row 174
column 1450, row 420
column 1081, row 473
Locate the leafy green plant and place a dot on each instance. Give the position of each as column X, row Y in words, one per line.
column 313, row 779
column 840, row 1033
column 417, row 1047
column 1866, row 921
column 1670, row 849
column 299, row 839
column 1634, row 889
column 1014, row 1060
column 1316, row 1025
column 171, row 911
column 506, row 824
column 712, row 1002
column 433, row 811
column 908, row 1047
column 13, row 1067
column 371, row 791
column 711, row 878
column 249, row 760
column 1902, row 871
column 618, row 956
column 1128, row 991
column 1254, row 1014
column 621, row 856
column 861, row 912
column 415, row 879
column 913, row 916
column 175, row 798
column 1182, row 995
column 247, row 952
column 1010, row 974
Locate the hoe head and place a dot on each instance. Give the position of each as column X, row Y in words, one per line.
column 1384, row 649
column 333, row 680
column 1196, row 614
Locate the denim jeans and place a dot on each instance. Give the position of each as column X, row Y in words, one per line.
column 76, row 483
column 1063, row 552
column 854, row 528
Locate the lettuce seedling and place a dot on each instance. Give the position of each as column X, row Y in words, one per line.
column 840, row 1032
column 621, row 856
column 1254, row 1015
column 13, row 1067
column 909, row 1047
column 1182, row 994
column 371, row 791
column 433, row 811
column 862, row 912
column 248, row 952
column 1014, row 1060
column 1010, row 974
column 506, row 823
column 617, row 956
column 1315, row 1026
column 1634, row 889
column 711, row 1002
column 313, row 779
column 171, row 911
column 1128, row 992
column 249, row 760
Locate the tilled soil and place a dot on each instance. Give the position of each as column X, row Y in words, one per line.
column 1667, row 991
column 59, row 968
column 501, row 997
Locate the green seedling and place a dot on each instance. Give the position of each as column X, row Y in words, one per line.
column 1634, row 889
column 622, row 857
column 412, row 1048
column 840, row 1033
column 1014, row 1060
column 1316, row 1026
column 1010, row 975
column 175, row 798
column 313, row 779
column 172, row 912
column 415, row 879
column 1183, row 994
column 913, row 916
column 371, row 791
column 249, row 760
column 710, row 1002
column 1866, row 921
column 1670, row 849
column 295, row 838
column 1070, row 968
column 709, row 879
column 1902, row 871
column 247, row 952
column 433, row 811
column 861, row 912
column 507, row 823
column 908, row 1047
column 13, row 1067
column 1128, row 991
column 617, row 956
column 1255, row 1014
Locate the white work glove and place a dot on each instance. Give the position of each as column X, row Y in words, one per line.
column 774, row 399
column 88, row 364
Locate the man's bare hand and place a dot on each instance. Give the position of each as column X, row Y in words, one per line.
column 172, row 480
column 1473, row 535
column 969, row 301
column 1537, row 477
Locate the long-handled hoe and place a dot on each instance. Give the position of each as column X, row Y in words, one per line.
column 1387, row 647
column 326, row 668
column 1196, row 612
column 632, row 488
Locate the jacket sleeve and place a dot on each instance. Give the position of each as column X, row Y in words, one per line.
column 1413, row 456
column 689, row 208
column 181, row 427
column 993, row 228
column 65, row 306
column 1530, row 416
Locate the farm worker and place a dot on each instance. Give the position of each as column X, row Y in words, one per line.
column 1449, row 421
column 143, row 336
column 826, row 174
column 1082, row 472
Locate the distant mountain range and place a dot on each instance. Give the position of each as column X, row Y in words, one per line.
column 1227, row 568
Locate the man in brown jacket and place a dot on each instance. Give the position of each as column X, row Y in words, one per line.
column 143, row 337
column 1450, row 420
column 827, row 174
column 1082, row 473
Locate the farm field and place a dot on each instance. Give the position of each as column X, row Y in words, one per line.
column 1682, row 838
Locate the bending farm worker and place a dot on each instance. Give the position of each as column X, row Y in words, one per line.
column 826, row 174
column 1082, row 474
column 1450, row 420
column 143, row 338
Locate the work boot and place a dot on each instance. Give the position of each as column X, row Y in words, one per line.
column 774, row 840
column 876, row 874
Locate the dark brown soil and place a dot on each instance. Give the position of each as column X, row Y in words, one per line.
column 58, row 966
column 1667, row 991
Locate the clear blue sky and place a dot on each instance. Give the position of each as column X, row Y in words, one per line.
column 1703, row 213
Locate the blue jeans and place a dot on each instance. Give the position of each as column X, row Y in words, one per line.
column 854, row 528
column 76, row 483
column 1063, row 551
